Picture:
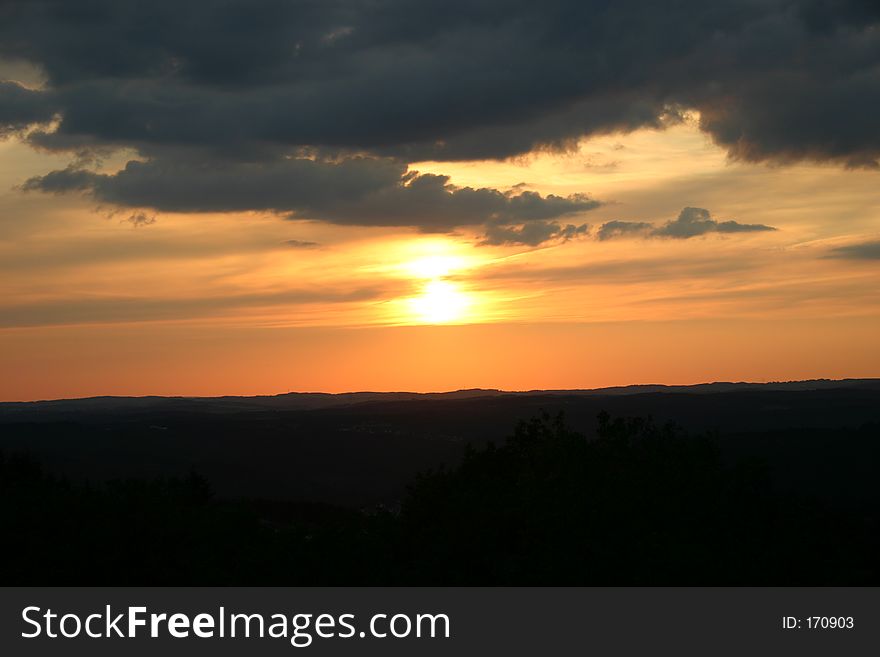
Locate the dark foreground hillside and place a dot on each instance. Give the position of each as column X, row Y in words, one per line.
column 633, row 503
column 363, row 449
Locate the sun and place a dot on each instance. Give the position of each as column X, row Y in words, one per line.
column 437, row 273
column 441, row 302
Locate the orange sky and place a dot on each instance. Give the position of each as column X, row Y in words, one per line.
column 208, row 304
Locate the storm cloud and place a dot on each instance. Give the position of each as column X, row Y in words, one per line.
column 774, row 78
column 21, row 107
column 262, row 104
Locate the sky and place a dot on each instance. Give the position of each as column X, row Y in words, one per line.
column 263, row 196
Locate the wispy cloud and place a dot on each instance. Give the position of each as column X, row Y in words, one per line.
column 860, row 251
column 122, row 309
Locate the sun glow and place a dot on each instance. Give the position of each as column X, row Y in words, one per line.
column 441, row 302
column 435, row 266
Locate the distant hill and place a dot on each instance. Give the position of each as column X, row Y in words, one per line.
column 363, row 448
column 322, row 400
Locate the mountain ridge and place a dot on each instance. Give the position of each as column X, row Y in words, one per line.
column 329, row 399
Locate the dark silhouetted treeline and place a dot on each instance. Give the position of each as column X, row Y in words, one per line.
column 638, row 504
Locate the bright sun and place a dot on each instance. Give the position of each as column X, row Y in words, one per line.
column 440, row 302
column 438, row 269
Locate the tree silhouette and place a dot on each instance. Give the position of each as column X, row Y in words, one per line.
column 635, row 504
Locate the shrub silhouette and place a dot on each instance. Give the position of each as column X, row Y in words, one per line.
column 639, row 504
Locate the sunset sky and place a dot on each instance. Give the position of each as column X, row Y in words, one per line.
column 256, row 197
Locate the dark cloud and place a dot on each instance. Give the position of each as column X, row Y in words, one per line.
column 611, row 229
column 140, row 219
column 691, row 222
column 21, row 107
column 253, row 83
column 354, row 191
column 532, row 233
column 300, row 244
column 775, row 79
column 861, row 251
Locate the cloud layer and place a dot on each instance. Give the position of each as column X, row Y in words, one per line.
column 315, row 108
column 773, row 78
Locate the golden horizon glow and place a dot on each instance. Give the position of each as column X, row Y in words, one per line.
column 248, row 302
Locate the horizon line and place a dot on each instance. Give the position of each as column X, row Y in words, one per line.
column 500, row 391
